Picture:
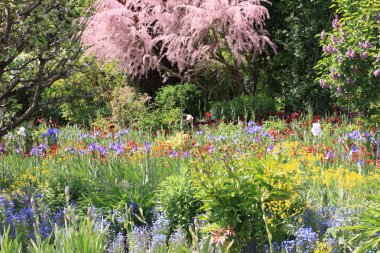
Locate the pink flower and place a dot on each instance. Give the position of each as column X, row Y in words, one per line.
column 377, row 72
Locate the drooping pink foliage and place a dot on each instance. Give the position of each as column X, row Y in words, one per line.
column 188, row 33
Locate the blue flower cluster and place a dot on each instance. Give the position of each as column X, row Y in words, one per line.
column 19, row 214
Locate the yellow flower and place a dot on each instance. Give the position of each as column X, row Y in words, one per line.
column 322, row 247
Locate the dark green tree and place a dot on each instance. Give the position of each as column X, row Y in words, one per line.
column 289, row 73
column 39, row 44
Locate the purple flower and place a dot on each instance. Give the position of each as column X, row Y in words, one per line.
column 354, row 135
column 330, row 49
column 186, row 154
column 378, row 58
column 270, row 148
column 376, row 72
column 334, row 39
column 350, row 81
column 102, row 150
column 322, row 83
column 92, row 146
column 329, row 154
column 51, row 132
column 365, row 45
column 1, row 148
column 335, row 22
column 323, row 35
column 325, row 49
column 334, row 75
column 350, row 53
column 119, row 148
column 340, row 58
column 173, row 154
column 147, row 146
column 363, row 55
column 72, row 150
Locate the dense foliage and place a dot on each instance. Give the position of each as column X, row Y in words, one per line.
column 350, row 66
column 289, row 73
column 39, row 44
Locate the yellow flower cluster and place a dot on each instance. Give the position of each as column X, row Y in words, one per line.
column 322, row 247
column 283, row 175
column 282, row 208
column 24, row 181
column 178, row 141
column 343, row 177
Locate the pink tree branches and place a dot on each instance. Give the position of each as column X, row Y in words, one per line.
column 190, row 34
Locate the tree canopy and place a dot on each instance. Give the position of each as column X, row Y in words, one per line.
column 177, row 37
column 39, row 44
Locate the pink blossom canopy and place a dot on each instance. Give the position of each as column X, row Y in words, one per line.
column 188, row 33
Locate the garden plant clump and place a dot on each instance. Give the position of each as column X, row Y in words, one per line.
column 302, row 186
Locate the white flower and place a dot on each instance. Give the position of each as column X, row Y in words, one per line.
column 21, row 131
column 316, row 129
column 189, row 117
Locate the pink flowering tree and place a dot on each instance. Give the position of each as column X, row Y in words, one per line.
column 350, row 65
column 178, row 38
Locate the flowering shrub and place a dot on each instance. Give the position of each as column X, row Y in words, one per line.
column 350, row 64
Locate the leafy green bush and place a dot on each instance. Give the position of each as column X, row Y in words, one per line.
column 175, row 198
column 129, row 108
column 83, row 97
column 261, row 105
column 186, row 97
column 231, row 197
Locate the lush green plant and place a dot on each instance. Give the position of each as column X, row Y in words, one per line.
column 248, row 106
column 186, row 97
column 231, row 192
column 8, row 245
column 175, row 198
column 350, row 65
column 369, row 227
